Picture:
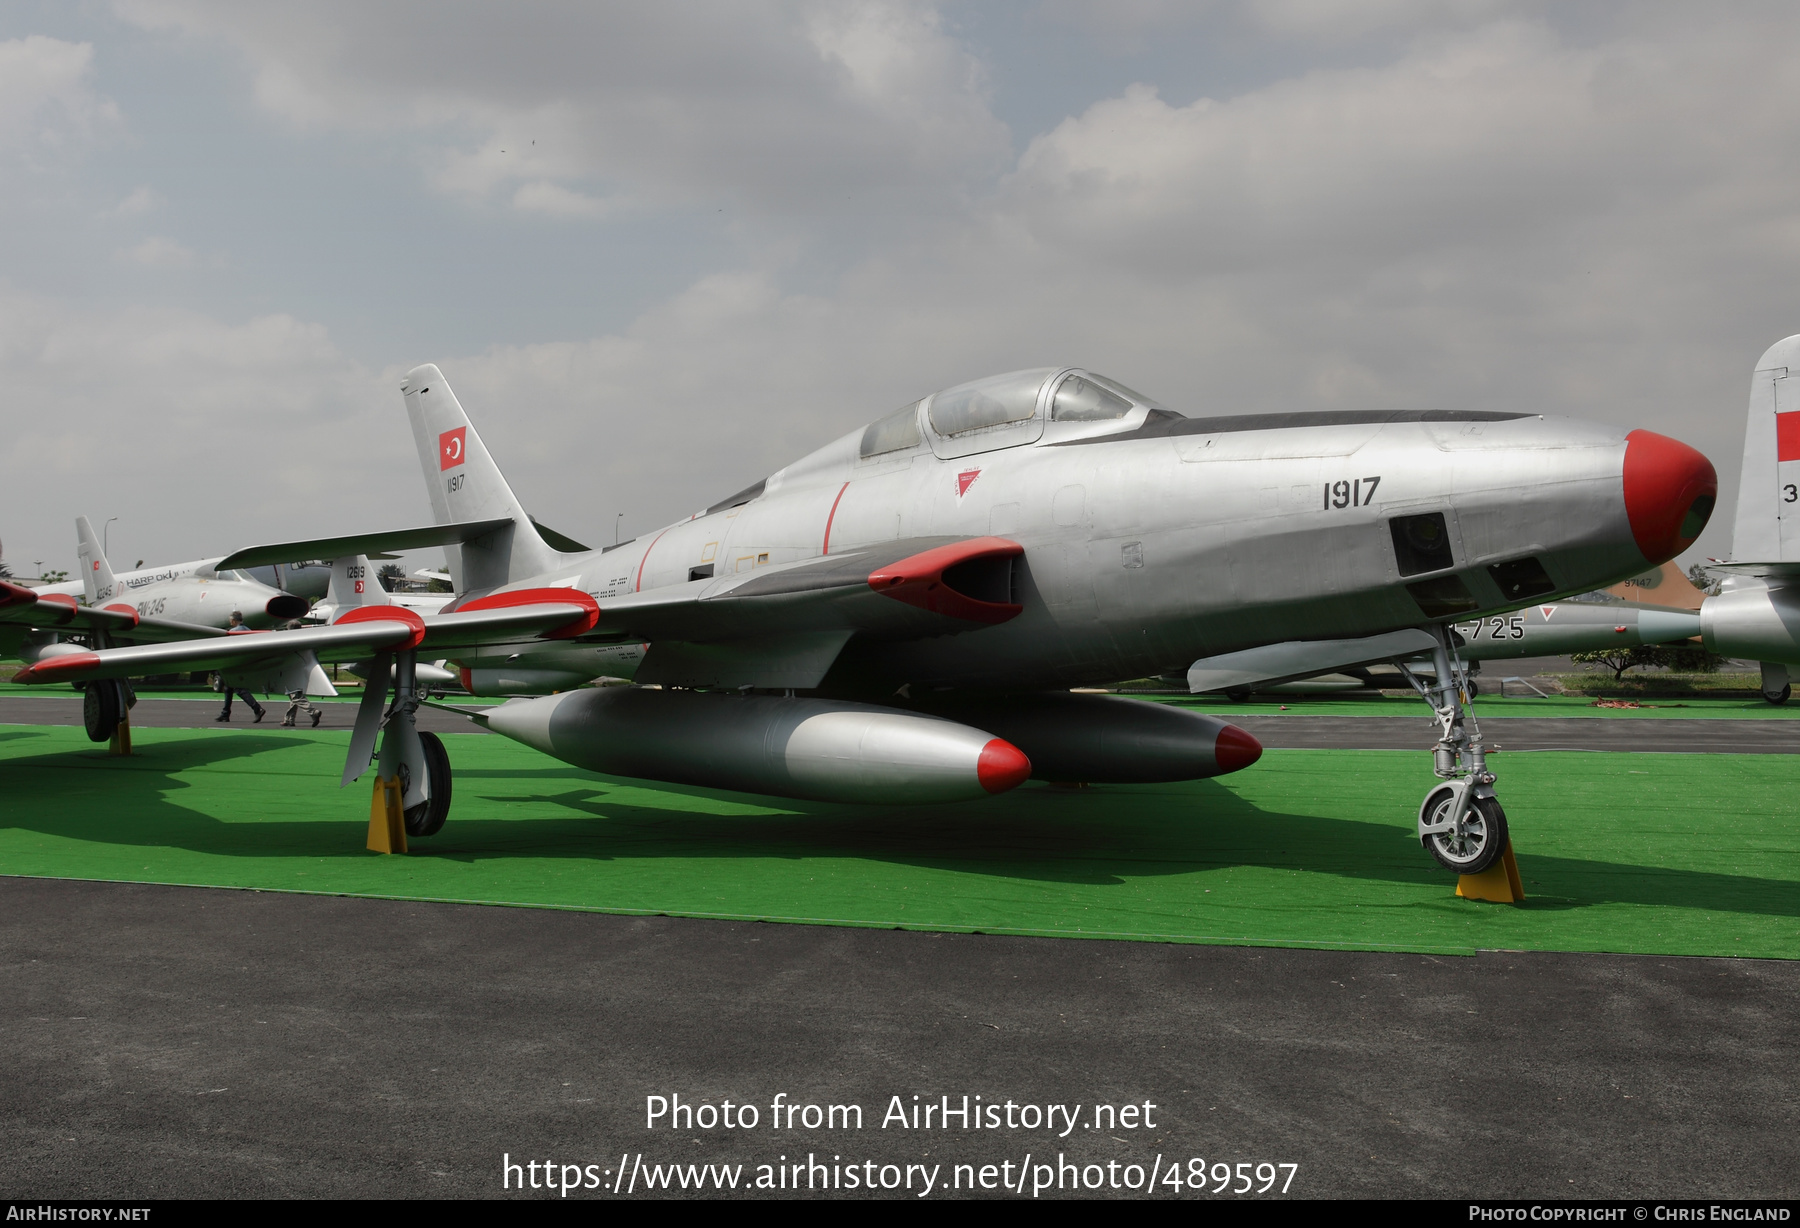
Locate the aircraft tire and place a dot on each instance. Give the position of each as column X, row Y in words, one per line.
column 1238, row 695
column 427, row 818
column 101, row 709
column 1781, row 696
column 1487, row 825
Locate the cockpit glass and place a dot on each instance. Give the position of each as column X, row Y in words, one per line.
column 1131, row 394
column 1083, row 400
column 898, row 430
column 994, row 401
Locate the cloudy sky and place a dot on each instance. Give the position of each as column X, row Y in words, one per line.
column 660, row 250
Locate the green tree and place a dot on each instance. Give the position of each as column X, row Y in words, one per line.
column 1698, row 577
column 1679, row 658
column 388, row 573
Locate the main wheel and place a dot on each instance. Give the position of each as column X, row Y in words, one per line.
column 427, row 818
column 1781, row 696
column 1480, row 842
column 101, row 707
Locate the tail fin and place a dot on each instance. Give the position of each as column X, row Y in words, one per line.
column 97, row 583
column 353, row 583
column 466, row 485
column 1768, row 512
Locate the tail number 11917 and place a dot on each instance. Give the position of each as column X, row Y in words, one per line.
column 1354, row 492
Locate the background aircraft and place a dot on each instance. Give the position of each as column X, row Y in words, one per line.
column 895, row 616
column 196, row 592
column 1756, row 615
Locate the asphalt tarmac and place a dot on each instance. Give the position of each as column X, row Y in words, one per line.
column 1293, row 732
column 166, row 1042
column 201, row 713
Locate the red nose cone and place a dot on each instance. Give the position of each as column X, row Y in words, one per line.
column 1235, row 749
column 1002, row 766
column 1669, row 494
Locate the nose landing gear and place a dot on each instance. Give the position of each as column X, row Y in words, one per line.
column 1461, row 823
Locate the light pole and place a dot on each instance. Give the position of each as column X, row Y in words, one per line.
column 616, row 522
column 105, row 533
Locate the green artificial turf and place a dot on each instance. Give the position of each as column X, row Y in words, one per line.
column 1676, row 854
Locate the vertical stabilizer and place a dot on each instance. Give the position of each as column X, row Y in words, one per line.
column 1768, row 511
column 97, row 583
column 465, row 485
column 353, row 583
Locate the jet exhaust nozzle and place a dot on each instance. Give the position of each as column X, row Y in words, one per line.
column 286, row 605
column 825, row 750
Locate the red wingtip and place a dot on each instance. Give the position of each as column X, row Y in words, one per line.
column 48, row 669
column 1670, row 490
column 387, row 613
column 1002, row 766
column 1235, row 750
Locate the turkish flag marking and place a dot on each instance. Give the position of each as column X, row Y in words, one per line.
column 450, row 448
column 1787, row 436
column 964, row 480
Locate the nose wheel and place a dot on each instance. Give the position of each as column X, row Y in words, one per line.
column 1469, row 844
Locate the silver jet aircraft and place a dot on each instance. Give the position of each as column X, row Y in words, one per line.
column 197, row 592
column 898, row 616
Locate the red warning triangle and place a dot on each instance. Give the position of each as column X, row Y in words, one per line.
column 964, row 480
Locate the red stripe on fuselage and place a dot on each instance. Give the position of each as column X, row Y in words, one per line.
column 826, row 548
column 638, row 585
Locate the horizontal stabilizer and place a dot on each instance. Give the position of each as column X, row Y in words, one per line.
column 1301, row 659
column 388, row 542
column 1765, row 571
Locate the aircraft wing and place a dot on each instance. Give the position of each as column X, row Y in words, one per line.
column 386, row 542
column 1274, row 663
column 534, row 614
column 21, row 606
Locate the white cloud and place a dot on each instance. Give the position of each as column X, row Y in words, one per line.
column 139, row 200
column 159, row 252
column 785, row 103
column 554, row 200
column 47, row 104
column 205, row 433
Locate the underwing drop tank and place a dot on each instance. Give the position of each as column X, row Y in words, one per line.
column 1106, row 739
column 825, row 750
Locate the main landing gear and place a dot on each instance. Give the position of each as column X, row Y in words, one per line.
column 105, row 706
column 412, row 772
column 1460, row 823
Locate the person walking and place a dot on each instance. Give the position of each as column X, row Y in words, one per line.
column 297, row 699
column 237, row 625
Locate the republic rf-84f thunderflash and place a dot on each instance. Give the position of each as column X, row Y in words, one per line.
column 899, row 616
column 199, row 592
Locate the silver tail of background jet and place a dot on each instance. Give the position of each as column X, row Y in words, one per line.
column 466, row 485
column 97, row 583
column 1757, row 616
